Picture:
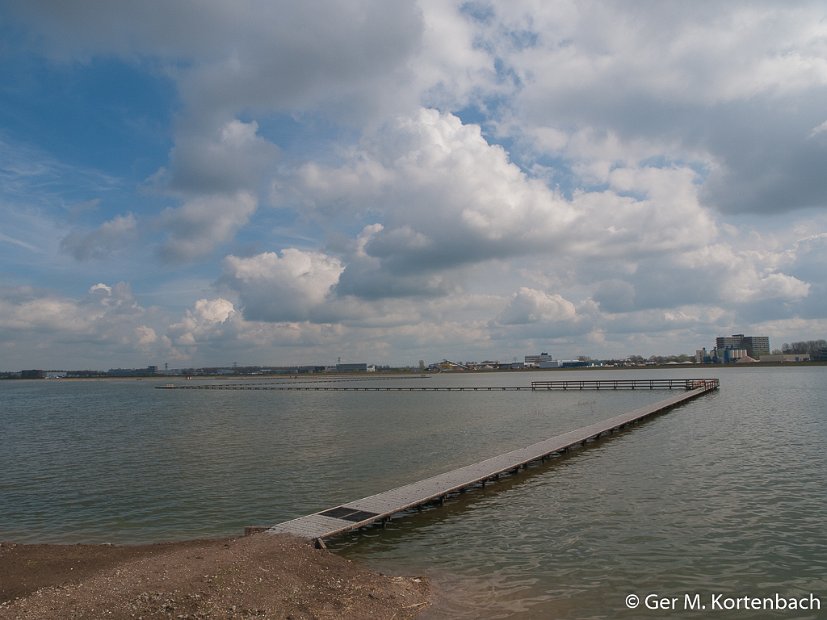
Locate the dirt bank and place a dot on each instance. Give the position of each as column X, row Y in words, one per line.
column 260, row 576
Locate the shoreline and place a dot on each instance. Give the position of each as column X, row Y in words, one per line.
column 261, row 575
column 415, row 372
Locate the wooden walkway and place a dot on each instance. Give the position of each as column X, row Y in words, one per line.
column 589, row 384
column 380, row 507
column 624, row 384
column 325, row 388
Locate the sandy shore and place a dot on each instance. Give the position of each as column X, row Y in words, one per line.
column 259, row 576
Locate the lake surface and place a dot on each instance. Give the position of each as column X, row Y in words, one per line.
column 724, row 495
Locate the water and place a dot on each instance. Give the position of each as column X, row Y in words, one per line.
column 723, row 495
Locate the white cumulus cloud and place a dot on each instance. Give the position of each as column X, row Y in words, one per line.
column 292, row 286
column 533, row 306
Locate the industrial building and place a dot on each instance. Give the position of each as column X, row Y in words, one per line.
column 738, row 346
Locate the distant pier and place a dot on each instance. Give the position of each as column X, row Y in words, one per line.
column 589, row 384
column 381, row 507
column 625, row 384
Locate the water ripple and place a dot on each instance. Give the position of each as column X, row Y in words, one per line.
column 725, row 494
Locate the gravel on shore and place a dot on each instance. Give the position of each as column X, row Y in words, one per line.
column 258, row 576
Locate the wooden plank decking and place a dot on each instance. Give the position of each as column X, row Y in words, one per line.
column 379, row 507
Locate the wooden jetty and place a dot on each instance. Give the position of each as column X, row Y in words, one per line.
column 588, row 384
column 382, row 506
column 623, row 384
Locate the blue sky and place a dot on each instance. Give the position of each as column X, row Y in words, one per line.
column 271, row 183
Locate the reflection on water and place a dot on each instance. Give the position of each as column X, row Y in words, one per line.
column 725, row 494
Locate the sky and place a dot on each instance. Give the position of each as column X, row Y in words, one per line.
column 197, row 183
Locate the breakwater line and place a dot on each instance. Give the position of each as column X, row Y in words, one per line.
column 381, row 507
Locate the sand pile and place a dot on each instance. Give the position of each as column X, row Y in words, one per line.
column 260, row 576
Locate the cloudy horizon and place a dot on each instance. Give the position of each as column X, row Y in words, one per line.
column 277, row 183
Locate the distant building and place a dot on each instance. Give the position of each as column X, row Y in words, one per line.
column 351, row 368
column 448, row 366
column 574, row 364
column 787, row 357
column 729, row 342
column 544, row 360
column 755, row 346
column 733, row 355
column 729, row 355
column 132, row 372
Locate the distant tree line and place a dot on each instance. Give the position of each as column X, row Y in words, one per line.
column 809, row 346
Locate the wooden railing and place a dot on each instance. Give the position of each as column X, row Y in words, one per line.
column 626, row 384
